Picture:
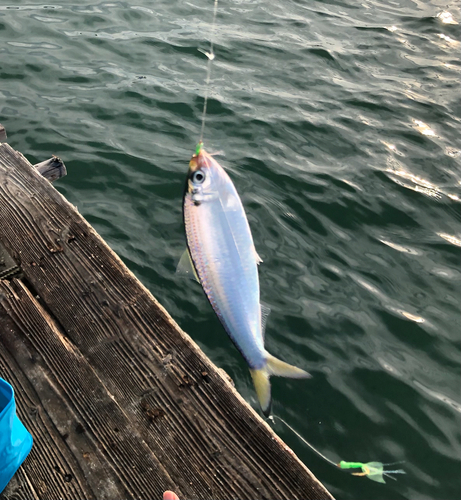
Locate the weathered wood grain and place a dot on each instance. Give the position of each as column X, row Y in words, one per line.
column 91, row 446
column 8, row 266
column 19, row 488
column 52, row 169
column 2, row 133
column 50, row 466
column 207, row 439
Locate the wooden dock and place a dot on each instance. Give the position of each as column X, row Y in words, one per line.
column 121, row 403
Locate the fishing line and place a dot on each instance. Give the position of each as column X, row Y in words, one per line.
column 210, row 56
column 373, row 470
column 321, row 455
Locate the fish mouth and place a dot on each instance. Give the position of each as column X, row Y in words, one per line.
column 200, row 160
column 194, row 163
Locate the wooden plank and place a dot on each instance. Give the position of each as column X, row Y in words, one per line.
column 90, row 445
column 208, row 440
column 2, row 133
column 8, row 266
column 52, row 169
column 49, row 465
column 19, row 488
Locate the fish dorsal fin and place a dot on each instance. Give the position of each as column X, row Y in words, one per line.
column 258, row 258
column 185, row 267
column 265, row 311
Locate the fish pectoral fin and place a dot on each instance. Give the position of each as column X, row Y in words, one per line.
column 263, row 389
column 185, row 267
column 265, row 311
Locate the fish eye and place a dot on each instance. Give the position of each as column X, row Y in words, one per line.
column 198, row 177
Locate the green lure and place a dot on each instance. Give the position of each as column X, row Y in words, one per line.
column 198, row 148
column 372, row 470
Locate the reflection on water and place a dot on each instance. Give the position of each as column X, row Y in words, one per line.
column 446, row 17
column 415, row 183
column 450, row 238
column 448, row 39
column 423, row 128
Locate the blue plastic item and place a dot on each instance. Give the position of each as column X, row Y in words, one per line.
column 15, row 441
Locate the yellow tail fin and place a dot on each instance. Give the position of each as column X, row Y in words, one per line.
column 263, row 389
column 261, row 382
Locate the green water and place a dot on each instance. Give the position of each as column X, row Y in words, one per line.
column 339, row 122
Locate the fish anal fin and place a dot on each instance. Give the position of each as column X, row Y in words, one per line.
column 265, row 311
column 258, row 258
column 186, row 268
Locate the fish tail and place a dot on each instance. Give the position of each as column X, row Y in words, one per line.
column 261, row 381
column 263, row 389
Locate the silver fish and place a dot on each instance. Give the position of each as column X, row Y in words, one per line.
column 223, row 258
